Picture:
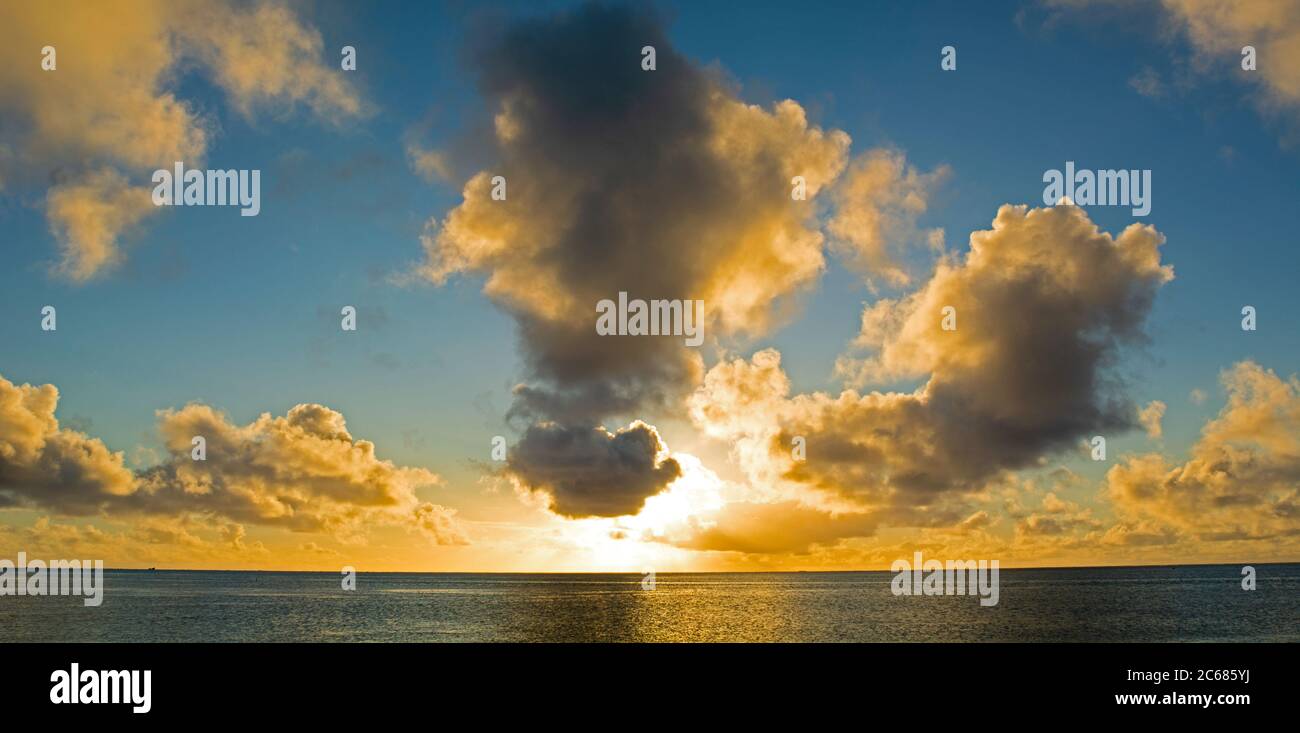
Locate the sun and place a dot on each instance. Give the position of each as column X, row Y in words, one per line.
column 640, row 541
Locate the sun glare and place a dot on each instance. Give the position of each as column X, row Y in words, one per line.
column 638, row 542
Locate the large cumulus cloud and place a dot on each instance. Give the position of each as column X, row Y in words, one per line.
column 1044, row 302
column 662, row 184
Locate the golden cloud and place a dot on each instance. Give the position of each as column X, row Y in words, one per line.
column 877, row 204
column 1151, row 416
column 1241, row 480
column 772, row 528
column 62, row 467
column 108, row 111
column 1044, row 301
column 1218, row 29
column 303, row 471
column 88, row 216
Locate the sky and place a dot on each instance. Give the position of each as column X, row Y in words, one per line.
column 475, row 317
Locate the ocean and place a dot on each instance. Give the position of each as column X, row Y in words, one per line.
column 1204, row 603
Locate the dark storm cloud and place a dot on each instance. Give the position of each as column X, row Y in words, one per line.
column 660, row 184
column 592, row 472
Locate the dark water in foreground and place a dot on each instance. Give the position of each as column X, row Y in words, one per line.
column 1189, row 603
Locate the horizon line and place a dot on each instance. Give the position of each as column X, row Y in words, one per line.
column 685, row 572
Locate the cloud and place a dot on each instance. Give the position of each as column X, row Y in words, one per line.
column 592, row 472
column 1045, row 282
column 431, row 165
column 263, row 56
column 1241, row 480
column 88, row 216
column 1058, row 517
column 774, row 528
column 1218, row 29
column 174, row 542
column 1044, row 302
column 42, row 462
column 877, row 203
column 1150, row 418
column 661, row 184
column 1148, row 83
column 439, row 523
column 302, row 472
column 1140, row 534
column 122, row 69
